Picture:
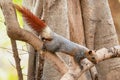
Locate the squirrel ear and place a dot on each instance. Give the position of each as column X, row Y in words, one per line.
column 90, row 52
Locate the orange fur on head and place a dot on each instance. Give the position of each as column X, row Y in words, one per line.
column 32, row 20
column 91, row 55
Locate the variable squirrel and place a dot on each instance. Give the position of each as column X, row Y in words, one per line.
column 51, row 41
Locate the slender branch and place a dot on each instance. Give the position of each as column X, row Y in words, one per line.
column 10, row 50
column 17, row 59
column 94, row 73
column 39, row 65
column 74, row 74
column 38, row 8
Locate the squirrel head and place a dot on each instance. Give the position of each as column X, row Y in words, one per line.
column 91, row 55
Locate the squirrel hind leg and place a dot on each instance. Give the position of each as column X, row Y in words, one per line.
column 78, row 59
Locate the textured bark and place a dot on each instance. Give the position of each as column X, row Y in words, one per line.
column 74, row 74
column 36, row 60
column 101, row 29
column 105, row 26
column 90, row 20
column 6, row 8
column 115, row 9
column 99, row 20
column 16, row 33
column 76, row 27
column 32, row 54
column 103, row 54
column 100, row 55
column 10, row 18
column 17, row 59
column 55, row 15
column 38, row 9
column 75, row 22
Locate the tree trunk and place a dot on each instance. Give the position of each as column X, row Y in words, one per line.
column 99, row 32
column 32, row 53
column 34, row 65
column 101, row 29
column 76, row 28
column 55, row 15
column 115, row 9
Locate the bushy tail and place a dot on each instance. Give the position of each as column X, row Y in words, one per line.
column 32, row 20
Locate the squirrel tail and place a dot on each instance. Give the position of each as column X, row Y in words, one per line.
column 32, row 20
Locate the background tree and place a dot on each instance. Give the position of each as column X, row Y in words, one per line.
column 114, row 6
column 100, row 32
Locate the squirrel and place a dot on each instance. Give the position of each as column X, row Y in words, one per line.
column 51, row 41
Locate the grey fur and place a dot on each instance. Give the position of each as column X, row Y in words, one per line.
column 61, row 44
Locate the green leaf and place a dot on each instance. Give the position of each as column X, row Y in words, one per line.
column 19, row 16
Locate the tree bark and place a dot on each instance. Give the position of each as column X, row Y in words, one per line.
column 115, row 9
column 55, row 15
column 75, row 22
column 99, row 26
column 16, row 33
column 107, row 37
column 76, row 28
column 17, row 59
column 32, row 54
column 35, row 63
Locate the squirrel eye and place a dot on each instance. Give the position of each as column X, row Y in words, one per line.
column 90, row 52
column 46, row 39
column 43, row 39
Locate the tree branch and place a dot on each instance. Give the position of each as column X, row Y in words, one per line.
column 95, row 57
column 100, row 55
column 17, row 59
column 38, row 10
column 16, row 33
column 74, row 74
column 61, row 67
column 103, row 54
